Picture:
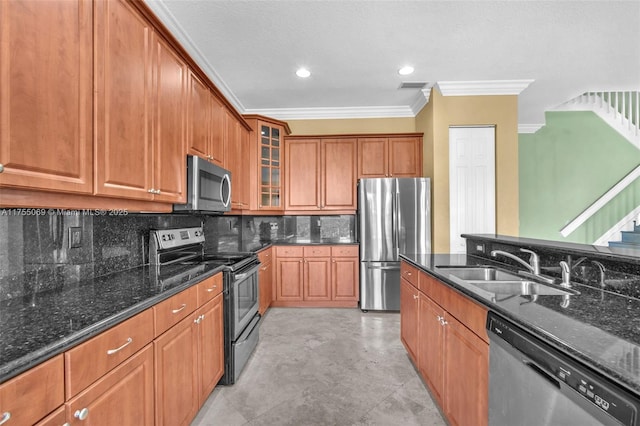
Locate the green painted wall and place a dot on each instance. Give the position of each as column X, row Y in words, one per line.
column 564, row 167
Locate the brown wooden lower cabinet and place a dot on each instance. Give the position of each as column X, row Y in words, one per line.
column 316, row 275
column 265, row 279
column 450, row 351
column 189, row 362
column 33, row 394
column 123, row 396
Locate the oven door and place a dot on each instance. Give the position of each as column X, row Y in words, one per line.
column 243, row 299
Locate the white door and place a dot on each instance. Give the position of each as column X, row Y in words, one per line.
column 472, row 183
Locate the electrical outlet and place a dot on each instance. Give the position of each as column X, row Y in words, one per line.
column 480, row 248
column 75, row 237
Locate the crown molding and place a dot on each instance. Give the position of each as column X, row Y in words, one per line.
column 334, row 113
column 482, row 87
column 169, row 21
column 529, row 128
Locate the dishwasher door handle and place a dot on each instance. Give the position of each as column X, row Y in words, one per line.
column 535, row 367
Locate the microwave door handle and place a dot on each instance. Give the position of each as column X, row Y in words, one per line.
column 225, row 178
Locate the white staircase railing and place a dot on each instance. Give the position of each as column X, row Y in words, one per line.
column 600, row 202
column 621, row 110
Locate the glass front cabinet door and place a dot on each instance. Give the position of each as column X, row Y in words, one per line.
column 266, row 191
column 270, row 150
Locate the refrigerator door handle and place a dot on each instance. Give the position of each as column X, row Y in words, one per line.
column 385, row 268
column 396, row 224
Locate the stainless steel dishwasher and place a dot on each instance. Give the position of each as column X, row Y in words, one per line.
column 532, row 383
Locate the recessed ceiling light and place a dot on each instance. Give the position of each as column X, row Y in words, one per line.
column 303, row 73
column 405, row 70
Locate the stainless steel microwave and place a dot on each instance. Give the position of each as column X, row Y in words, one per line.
column 208, row 187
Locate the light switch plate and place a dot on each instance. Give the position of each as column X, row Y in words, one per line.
column 75, row 237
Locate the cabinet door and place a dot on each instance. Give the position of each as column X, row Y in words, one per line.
column 339, row 174
column 46, row 99
column 265, row 282
column 33, row 394
column 169, row 151
column 233, row 160
column 211, row 346
column 269, row 157
column 317, row 278
column 289, row 278
column 217, row 150
column 431, row 345
column 176, row 370
column 302, row 167
column 199, row 116
column 466, row 375
column 123, row 84
column 372, row 157
column 409, row 318
column 405, row 156
column 123, row 397
column 345, row 278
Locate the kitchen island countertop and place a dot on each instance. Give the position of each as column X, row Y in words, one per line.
column 597, row 327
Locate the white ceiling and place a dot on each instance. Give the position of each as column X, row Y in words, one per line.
column 251, row 50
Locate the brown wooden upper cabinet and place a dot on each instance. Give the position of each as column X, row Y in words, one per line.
column 140, row 113
column 237, row 149
column 320, row 174
column 266, row 150
column 390, row 156
column 206, row 122
column 46, row 122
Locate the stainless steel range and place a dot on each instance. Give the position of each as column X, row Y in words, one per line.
column 241, row 319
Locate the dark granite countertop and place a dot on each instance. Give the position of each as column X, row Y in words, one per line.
column 629, row 255
column 37, row 327
column 598, row 327
column 294, row 240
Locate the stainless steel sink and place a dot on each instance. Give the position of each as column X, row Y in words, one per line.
column 524, row 288
column 482, row 273
column 498, row 281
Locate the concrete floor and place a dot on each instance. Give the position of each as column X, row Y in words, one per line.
column 325, row 367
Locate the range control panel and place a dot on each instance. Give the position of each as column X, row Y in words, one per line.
column 170, row 238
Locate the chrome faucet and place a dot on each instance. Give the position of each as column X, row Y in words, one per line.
column 566, row 274
column 534, row 262
column 533, row 267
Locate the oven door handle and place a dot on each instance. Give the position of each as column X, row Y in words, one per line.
column 252, row 270
column 247, row 331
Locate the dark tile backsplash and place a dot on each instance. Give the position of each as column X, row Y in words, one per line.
column 35, row 254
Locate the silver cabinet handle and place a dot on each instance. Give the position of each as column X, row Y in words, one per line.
column 81, row 414
column 5, row 416
column 150, row 191
column 209, row 290
column 113, row 351
column 175, row 311
column 1, row 170
column 415, row 296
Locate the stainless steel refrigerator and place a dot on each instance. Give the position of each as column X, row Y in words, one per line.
column 393, row 217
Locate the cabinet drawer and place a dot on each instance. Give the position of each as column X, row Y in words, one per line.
column 344, row 251
column 33, row 394
column 209, row 288
column 171, row 311
column 317, row 251
column 264, row 256
column 409, row 273
column 289, row 251
column 91, row 360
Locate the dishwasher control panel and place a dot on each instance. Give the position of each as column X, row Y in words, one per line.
column 581, row 384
